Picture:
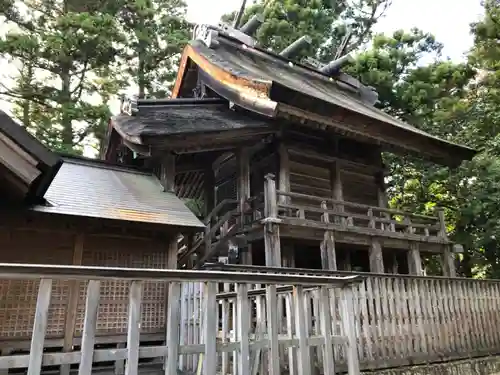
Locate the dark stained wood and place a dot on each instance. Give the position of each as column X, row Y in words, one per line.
column 168, row 172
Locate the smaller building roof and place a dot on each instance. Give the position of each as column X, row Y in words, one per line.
column 90, row 188
column 181, row 117
column 27, row 167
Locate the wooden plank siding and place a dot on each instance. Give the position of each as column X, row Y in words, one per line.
column 66, row 313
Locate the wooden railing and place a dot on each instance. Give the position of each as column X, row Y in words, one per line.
column 199, row 349
column 404, row 320
column 355, row 215
column 222, row 224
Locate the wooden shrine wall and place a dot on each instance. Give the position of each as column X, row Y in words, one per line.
column 38, row 246
column 314, row 177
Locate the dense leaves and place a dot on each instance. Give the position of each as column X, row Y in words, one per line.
column 325, row 21
column 74, row 57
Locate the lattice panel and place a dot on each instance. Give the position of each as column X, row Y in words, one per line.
column 18, row 297
column 113, row 311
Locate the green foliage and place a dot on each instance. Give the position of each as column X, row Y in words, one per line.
column 156, row 32
column 325, row 21
column 65, row 73
column 74, row 57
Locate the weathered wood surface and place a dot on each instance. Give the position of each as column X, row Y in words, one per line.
column 315, row 208
column 396, row 320
column 403, row 320
column 245, row 340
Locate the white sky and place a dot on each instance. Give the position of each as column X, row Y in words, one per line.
column 448, row 20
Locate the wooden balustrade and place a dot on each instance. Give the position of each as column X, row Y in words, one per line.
column 404, row 320
column 194, row 321
column 357, row 215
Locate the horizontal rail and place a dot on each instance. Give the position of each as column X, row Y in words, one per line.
column 37, row 271
column 355, row 205
column 316, row 272
column 217, row 208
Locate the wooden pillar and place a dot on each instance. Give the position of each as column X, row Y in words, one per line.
column 74, row 295
column 288, row 256
column 327, row 247
column 448, row 263
column 284, row 176
column 376, row 257
column 336, row 182
column 243, row 186
column 208, row 190
column 347, row 266
column 167, row 175
column 447, row 257
column 271, row 226
column 243, row 178
column 414, row 260
column 394, row 263
column 171, row 263
column 383, row 201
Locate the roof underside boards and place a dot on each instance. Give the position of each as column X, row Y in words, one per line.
column 26, row 166
column 93, row 189
column 174, row 118
column 242, row 72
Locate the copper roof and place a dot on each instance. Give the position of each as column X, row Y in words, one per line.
column 93, row 189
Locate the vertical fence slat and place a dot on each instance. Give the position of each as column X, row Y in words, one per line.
column 134, row 323
column 378, row 317
column 89, row 327
column 210, row 328
column 399, row 318
column 183, row 323
column 365, row 324
column 349, row 331
column 272, row 323
column 303, row 354
column 243, row 329
column 479, row 298
column 385, row 322
column 393, row 318
column 225, row 334
column 496, row 312
column 39, row 326
column 452, row 301
column 373, row 317
column 328, row 360
column 290, row 323
column 173, row 320
column 426, row 304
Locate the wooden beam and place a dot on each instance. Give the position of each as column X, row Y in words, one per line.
column 448, row 258
column 376, row 257
column 414, row 260
column 208, row 189
column 327, row 247
column 39, row 327
column 284, row 171
column 89, row 327
column 271, row 229
column 168, row 172
column 243, row 177
column 73, row 298
column 448, row 262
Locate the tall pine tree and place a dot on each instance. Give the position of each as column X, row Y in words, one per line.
column 66, row 53
column 156, row 31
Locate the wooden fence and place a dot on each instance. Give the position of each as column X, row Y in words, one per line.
column 205, row 353
column 404, row 320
